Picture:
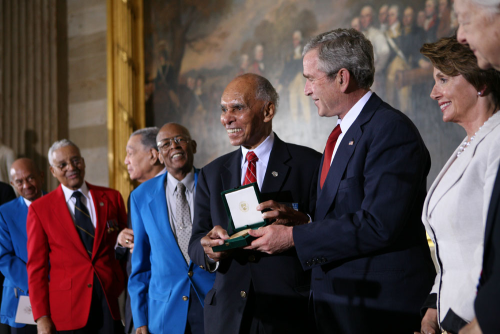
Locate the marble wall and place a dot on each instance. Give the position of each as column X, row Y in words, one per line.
column 87, row 85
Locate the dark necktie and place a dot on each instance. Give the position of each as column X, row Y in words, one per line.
column 83, row 223
column 330, row 145
column 251, row 174
column 183, row 219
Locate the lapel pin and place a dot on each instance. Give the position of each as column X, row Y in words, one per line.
column 351, row 142
column 275, row 174
column 101, row 203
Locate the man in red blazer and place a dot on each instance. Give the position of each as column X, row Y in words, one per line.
column 74, row 279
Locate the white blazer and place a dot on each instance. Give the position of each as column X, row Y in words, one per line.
column 454, row 216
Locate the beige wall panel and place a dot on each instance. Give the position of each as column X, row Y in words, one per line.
column 96, row 165
column 90, row 19
column 81, row 46
column 89, row 113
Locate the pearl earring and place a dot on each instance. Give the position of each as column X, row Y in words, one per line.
column 478, row 93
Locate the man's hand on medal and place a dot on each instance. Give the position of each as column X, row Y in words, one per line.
column 214, row 238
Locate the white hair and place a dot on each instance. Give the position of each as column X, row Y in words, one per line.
column 491, row 5
column 57, row 145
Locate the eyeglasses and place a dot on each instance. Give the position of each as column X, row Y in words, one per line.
column 165, row 144
column 75, row 162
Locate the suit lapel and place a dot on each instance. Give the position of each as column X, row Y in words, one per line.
column 460, row 165
column 19, row 216
column 61, row 212
column 327, row 195
column 159, row 211
column 276, row 168
column 101, row 205
column 231, row 176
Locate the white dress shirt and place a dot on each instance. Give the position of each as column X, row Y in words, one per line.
column 171, row 193
column 263, row 152
column 86, row 200
column 349, row 118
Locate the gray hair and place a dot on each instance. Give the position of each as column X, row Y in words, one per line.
column 57, row 145
column 148, row 137
column 264, row 89
column 344, row 48
column 491, row 5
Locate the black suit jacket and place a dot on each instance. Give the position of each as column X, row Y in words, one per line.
column 371, row 265
column 276, row 287
column 487, row 304
column 7, row 194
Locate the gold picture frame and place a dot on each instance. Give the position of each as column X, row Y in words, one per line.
column 125, row 71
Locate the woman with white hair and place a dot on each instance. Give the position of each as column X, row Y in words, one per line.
column 479, row 22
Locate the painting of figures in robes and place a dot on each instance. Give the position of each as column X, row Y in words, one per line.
column 193, row 49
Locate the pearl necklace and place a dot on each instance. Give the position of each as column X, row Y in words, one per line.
column 466, row 143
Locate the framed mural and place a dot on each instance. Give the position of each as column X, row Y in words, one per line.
column 193, row 49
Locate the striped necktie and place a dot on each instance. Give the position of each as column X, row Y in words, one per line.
column 83, row 223
column 251, row 174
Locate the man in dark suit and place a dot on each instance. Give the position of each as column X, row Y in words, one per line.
column 142, row 163
column 6, row 193
column 487, row 304
column 28, row 180
column 253, row 292
column 72, row 234
column 366, row 246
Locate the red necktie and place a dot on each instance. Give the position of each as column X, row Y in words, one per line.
column 330, row 145
column 251, row 174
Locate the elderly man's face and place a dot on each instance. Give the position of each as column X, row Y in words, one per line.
column 176, row 155
column 68, row 167
column 27, row 179
column 480, row 29
column 137, row 159
column 246, row 118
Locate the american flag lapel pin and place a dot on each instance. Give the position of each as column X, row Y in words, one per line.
column 351, row 143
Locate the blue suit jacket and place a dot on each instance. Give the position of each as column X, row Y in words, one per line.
column 13, row 257
column 160, row 276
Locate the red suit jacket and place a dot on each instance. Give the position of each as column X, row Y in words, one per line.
column 60, row 272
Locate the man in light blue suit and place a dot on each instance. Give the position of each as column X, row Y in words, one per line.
column 27, row 179
column 166, row 289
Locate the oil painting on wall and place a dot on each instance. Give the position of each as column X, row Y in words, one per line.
column 194, row 48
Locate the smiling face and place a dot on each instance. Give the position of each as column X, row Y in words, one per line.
column 26, row 179
column 455, row 95
column 68, row 167
column 248, row 120
column 324, row 92
column 480, row 29
column 177, row 157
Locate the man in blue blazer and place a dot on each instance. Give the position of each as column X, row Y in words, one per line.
column 166, row 289
column 366, row 246
column 28, row 180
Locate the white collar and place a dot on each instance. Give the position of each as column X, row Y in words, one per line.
column 68, row 193
column 353, row 113
column 188, row 181
column 263, row 151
